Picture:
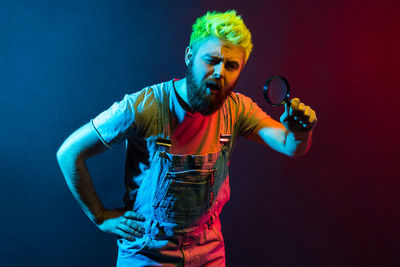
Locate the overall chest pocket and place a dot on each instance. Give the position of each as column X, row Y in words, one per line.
column 184, row 196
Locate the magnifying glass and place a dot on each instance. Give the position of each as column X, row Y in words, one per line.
column 276, row 90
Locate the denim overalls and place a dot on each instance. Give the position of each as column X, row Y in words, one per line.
column 181, row 198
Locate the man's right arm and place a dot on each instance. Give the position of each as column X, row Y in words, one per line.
column 72, row 156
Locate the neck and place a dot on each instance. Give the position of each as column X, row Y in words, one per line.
column 181, row 89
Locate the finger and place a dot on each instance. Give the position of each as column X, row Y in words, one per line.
column 305, row 116
column 129, row 230
column 310, row 124
column 294, row 104
column 301, row 108
column 285, row 114
column 133, row 215
column 313, row 117
column 287, row 107
column 307, row 112
column 123, row 234
column 134, row 225
column 131, row 224
column 299, row 112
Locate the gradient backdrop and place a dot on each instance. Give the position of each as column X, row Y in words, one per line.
column 63, row 62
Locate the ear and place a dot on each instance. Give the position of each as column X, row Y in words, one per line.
column 188, row 55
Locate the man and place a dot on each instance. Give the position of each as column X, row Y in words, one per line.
column 179, row 137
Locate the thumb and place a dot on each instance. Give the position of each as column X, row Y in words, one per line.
column 288, row 103
column 287, row 109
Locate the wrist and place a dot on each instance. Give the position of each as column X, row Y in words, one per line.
column 300, row 136
column 98, row 217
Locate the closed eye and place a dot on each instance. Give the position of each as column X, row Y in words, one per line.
column 213, row 61
column 229, row 65
column 232, row 65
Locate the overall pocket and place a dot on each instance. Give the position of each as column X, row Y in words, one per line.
column 127, row 248
column 184, row 196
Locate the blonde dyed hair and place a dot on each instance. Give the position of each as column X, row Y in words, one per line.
column 227, row 26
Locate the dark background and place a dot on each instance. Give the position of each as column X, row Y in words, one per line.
column 63, row 62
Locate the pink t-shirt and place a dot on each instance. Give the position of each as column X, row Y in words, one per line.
column 138, row 115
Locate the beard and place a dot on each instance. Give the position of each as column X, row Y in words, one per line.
column 200, row 98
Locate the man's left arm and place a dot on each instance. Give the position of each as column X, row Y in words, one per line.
column 293, row 135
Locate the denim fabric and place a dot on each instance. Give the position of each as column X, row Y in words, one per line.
column 181, row 197
column 204, row 247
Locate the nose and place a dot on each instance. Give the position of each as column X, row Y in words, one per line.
column 219, row 70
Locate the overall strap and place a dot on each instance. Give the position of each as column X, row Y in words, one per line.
column 162, row 94
column 226, row 136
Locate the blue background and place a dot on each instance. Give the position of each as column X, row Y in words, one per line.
column 63, row 62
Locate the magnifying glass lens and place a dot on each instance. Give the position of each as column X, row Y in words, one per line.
column 276, row 90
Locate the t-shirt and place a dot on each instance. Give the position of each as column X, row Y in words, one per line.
column 138, row 118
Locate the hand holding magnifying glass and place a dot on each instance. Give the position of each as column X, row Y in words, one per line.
column 297, row 116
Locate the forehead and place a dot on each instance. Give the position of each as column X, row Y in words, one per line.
column 216, row 47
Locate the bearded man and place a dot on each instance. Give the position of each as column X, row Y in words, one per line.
column 179, row 136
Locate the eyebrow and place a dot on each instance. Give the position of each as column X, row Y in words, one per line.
column 231, row 61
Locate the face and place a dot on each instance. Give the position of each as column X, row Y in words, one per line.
column 212, row 73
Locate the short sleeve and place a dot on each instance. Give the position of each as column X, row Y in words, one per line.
column 250, row 115
column 134, row 115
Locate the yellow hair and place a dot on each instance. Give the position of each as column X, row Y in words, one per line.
column 227, row 26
